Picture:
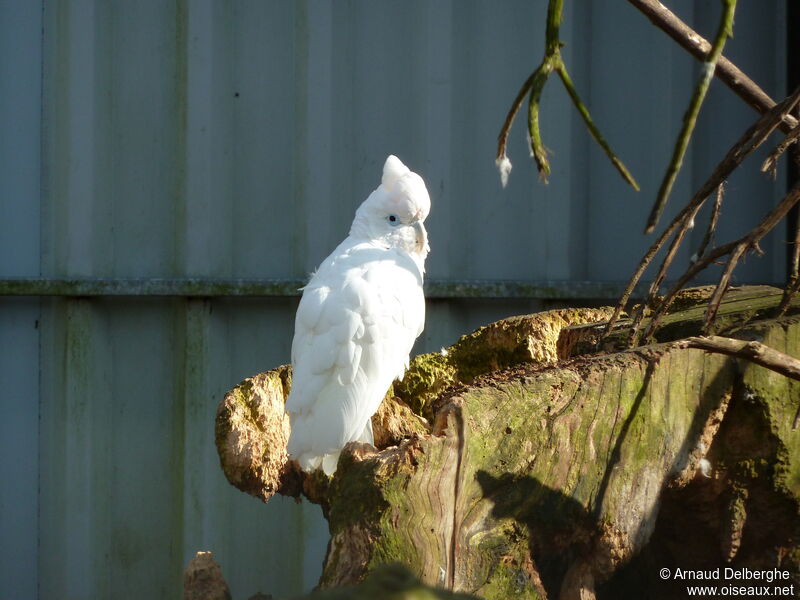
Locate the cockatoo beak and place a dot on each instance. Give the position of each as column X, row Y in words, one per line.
column 422, row 236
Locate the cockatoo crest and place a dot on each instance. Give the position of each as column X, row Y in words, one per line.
column 393, row 213
column 358, row 319
column 393, row 169
column 404, row 186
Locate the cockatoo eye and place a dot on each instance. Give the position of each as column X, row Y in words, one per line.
column 393, row 220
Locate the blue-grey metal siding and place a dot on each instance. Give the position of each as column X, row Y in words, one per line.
column 20, row 212
column 234, row 139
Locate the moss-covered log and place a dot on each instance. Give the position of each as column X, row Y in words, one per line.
column 252, row 429
column 583, row 478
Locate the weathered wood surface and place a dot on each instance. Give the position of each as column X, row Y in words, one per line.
column 581, row 479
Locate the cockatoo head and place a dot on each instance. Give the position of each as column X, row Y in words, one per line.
column 394, row 213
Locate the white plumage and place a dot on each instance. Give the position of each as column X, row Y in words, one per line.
column 357, row 321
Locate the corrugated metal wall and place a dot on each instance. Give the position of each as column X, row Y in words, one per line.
column 212, row 138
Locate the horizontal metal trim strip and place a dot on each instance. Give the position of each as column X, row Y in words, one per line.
column 214, row 287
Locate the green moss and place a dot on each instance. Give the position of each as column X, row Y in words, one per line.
column 774, row 398
column 513, row 341
column 390, row 582
column 244, row 396
column 509, row 580
column 395, row 547
column 427, row 376
column 473, row 356
column 356, row 493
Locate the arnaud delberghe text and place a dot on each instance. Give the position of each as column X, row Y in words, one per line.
column 729, row 573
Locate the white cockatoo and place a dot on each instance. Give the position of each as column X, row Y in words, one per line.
column 357, row 321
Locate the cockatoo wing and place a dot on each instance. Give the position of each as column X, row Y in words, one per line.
column 355, row 326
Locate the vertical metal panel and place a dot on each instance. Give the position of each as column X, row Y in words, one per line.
column 70, row 156
column 239, row 190
column 208, row 199
column 263, row 99
column 75, row 501
column 640, row 83
column 751, row 193
column 19, row 437
column 235, row 139
column 20, row 106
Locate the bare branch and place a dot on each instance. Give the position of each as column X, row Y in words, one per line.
column 724, row 281
column 538, row 151
column 550, row 61
column 643, row 264
column 712, row 222
column 534, row 85
column 650, row 301
column 724, row 30
column 770, row 164
column 794, row 276
column 755, row 352
column 726, row 71
column 502, row 139
column 593, row 130
column 735, row 249
column 751, row 139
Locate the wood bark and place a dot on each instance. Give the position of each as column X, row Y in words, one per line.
column 580, row 475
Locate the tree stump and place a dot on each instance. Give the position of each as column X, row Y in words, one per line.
column 552, row 471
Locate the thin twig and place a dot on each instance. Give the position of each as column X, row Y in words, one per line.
column 550, row 61
column 770, row 164
column 738, row 247
column 726, row 71
column 751, row 139
column 502, row 139
column 561, row 69
column 534, row 86
column 712, row 223
column 755, row 135
column 724, row 282
column 684, row 225
column 690, row 118
column 538, row 150
column 637, row 274
column 794, row 275
column 789, row 294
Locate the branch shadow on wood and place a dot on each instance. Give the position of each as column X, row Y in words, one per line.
column 616, row 454
column 640, row 576
column 724, row 517
column 565, row 537
column 558, row 525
